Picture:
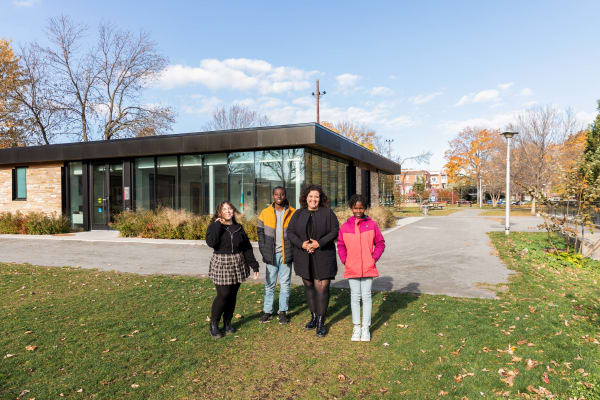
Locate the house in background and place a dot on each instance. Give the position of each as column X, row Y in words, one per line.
column 405, row 181
column 92, row 182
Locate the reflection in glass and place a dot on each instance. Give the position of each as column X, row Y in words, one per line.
column 144, row 183
column 191, row 183
column 214, row 173
column 99, row 198
column 241, row 180
column 293, row 173
column 341, row 183
column 269, row 174
column 166, row 182
column 76, row 193
column 115, row 189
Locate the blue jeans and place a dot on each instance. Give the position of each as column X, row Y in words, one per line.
column 361, row 288
column 285, row 276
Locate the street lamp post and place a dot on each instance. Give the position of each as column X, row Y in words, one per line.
column 508, row 136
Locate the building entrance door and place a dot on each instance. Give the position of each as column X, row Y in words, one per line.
column 106, row 193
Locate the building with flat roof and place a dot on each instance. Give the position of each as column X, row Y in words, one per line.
column 91, row 182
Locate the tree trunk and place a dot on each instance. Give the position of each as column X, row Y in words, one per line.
column 533, row 211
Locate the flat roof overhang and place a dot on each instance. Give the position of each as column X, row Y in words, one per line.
column 283, row 136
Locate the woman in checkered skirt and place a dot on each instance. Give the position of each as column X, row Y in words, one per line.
column 229, row 265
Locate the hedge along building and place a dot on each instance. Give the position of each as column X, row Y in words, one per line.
column 92, row 182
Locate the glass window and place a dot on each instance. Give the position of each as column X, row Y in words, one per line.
column 241, row 181
column 293, row 173
column 191, row 183
column 341, row 184
column 315, row 169
column 144, row 183
column 20, row 183
column 325, row 175
column 214, row 173
column 76, row 193
column 269, row 174
column 333, row 184
column 167, row 195
column 386, row 189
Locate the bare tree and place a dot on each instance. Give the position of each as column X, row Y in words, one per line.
column 541, row 131
column 76, row 74
column 126, row 63
column 494, row 168
column 236, row 116
column 37, row 97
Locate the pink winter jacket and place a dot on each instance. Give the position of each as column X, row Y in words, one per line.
column 359, row 247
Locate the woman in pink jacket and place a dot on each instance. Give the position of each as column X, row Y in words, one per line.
column 360, row 244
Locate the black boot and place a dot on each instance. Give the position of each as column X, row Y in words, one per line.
column 321, row 331
column 215, row 331
column 312, row 323
column 228, row 327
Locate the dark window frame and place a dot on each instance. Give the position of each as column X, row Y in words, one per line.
column 15, row 182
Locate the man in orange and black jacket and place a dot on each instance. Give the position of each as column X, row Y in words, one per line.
column 276, row 251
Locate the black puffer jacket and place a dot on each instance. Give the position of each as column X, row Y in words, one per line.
column 326, row 227
column 230, row 239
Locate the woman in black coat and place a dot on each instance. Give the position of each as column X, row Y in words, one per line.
column 229, row 265
column 312, row 231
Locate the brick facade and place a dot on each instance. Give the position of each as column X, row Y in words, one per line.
column 43, row 190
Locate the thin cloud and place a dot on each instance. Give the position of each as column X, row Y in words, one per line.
column 424, row 98
column 497, row 121
column 25, row 3
column 526, row 92
column 505, row 86
column 237, row 74
column 479, row 97
column 347, row 81
column 381, row 91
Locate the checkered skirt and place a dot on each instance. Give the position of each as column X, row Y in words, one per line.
column 228, row 269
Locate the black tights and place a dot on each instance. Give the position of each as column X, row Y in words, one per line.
column 317, row 295
column 224, row 303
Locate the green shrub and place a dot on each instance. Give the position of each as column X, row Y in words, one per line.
column 11, row 224
column 35, row 223
column 384, row 216
column 38, row 223
column 172, row 224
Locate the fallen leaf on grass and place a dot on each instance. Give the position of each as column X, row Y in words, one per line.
column 509, row 376
column 106, row 351
column 540, row 390
column 439, row 377
column 341, row 377
column 402, row 326
column 8, row 356
column 458, row 378
column 173, row 340
column 135, row 385
column 383, row 389
column 442, row 393
column 386, row 344
column 28, row 332
column 79, row 390
column 531, row 364
column 238, row 316
column 545, row 378
column 516, row 359
column 30, row 348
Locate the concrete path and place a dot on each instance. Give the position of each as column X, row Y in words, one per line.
column 436, row 255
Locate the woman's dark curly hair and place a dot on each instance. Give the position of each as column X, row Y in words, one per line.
column 357, row 198
column 323, row 199
column 217, row 213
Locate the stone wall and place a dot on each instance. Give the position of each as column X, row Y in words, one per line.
column 374, row 188
column 43, row 190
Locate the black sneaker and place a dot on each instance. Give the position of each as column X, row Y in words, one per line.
column 283, row 318
column 266, row 317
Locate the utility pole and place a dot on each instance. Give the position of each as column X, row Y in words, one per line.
column 389, row 142
column 318, row 95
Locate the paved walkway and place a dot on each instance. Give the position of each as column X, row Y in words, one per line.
column 437, row 255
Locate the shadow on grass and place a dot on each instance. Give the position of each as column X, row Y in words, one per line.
column 392, row 301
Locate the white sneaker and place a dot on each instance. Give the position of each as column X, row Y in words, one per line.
column 356, row 333
column 365, row 335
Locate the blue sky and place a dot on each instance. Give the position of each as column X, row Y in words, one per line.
column 416, row 72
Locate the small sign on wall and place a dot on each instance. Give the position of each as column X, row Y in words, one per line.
column 126, row 193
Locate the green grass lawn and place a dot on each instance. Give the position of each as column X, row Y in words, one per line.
column 416, row 211
column 89, row 334
column 514, row 212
